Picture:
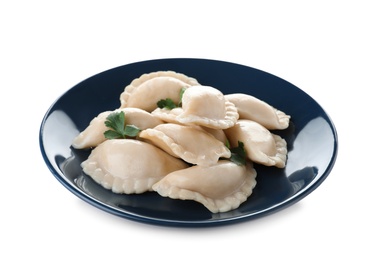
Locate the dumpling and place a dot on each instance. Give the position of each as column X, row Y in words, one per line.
column 260, row 144
column 207, row 106
column 93, row 134
column 254, row 109
column 219, row 134
column 146, row 91
column 129, row 166
column 170, row 115
column 192, row 144
column 220, row 188
column 167, row 115
column 147, row 76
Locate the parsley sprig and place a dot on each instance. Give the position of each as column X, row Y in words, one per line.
column 118, row 129
column 169, row 103
column 166, row 103
column 238, row 154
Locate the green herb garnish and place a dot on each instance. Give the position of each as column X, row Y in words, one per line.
column 166, row 103
column 238, row 154
column 116, row 122
column 181, row 97
column 169, row 103
column 227, row 144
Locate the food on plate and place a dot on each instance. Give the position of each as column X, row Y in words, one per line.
column 257, row 110
column 93, row 135
column 145, row 91
column 201, row 106
column 219, row 134
column 207, row 106
column 220, row 187
column 129, row 166
column 192, row 144
column 183, row 140
column 261, row 145
column 168, row 115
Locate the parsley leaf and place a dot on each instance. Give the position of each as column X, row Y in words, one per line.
column 169, row 103
column 131, row 130
column 166, row 103
column 111, row 134
column 227, row 143
column 181, row 96
column 238, row 154
column 116, row 122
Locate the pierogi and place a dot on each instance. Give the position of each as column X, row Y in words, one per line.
column 220, row 187
column 257, row 110
column 184, row 152
column 93, row 135
column 207, row 106
column 192, row 144
column 129, row 166
column 168, row 115
column 261, row 145
column 144, row 92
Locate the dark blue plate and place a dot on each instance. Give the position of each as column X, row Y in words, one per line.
column 311, row 138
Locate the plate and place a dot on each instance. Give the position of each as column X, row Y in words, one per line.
column 311, row 138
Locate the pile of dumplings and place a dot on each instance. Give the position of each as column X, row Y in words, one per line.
column 182, row 153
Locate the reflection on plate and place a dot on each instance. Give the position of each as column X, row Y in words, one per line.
column 311, row 139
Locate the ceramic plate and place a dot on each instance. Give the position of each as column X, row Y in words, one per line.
column 311, row 139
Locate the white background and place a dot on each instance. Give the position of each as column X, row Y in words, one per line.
column 329, row 49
